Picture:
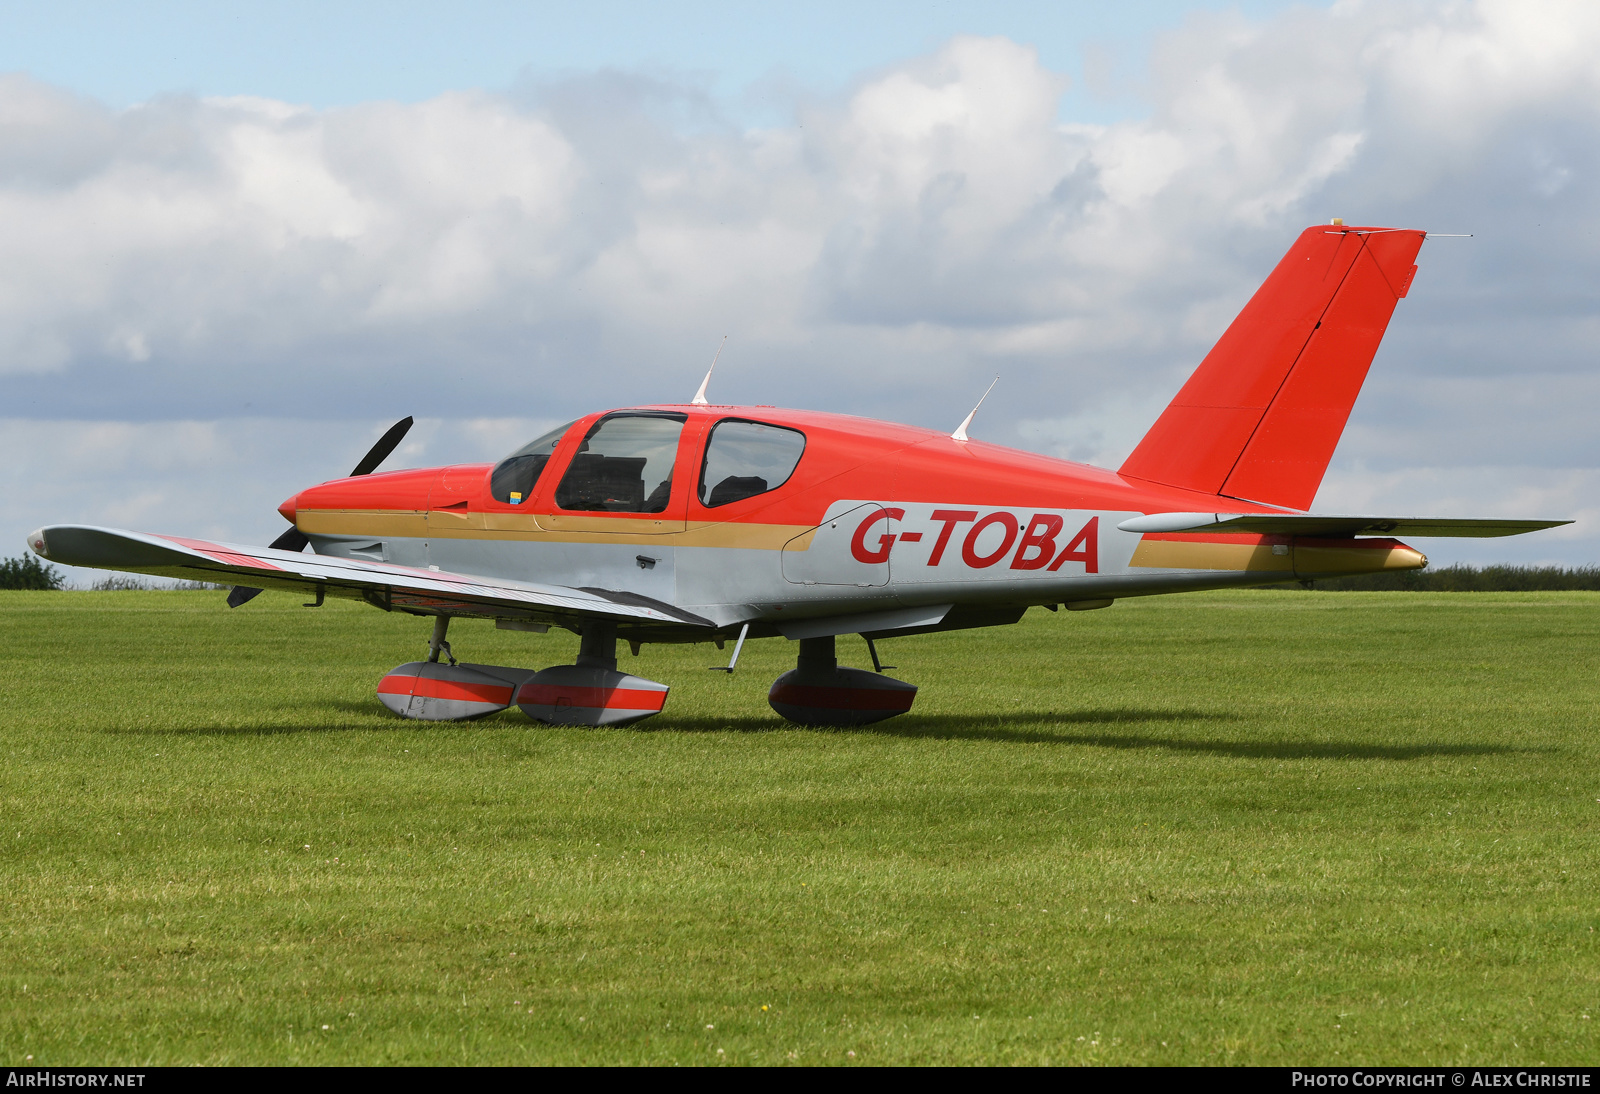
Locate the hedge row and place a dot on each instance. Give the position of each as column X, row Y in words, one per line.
column 1464, row 579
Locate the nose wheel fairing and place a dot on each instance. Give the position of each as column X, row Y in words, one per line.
column 432, row 691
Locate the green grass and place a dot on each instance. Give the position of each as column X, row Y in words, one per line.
column 1239, row 828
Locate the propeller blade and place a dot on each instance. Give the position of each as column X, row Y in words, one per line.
column 380, row 451
column 294, row 539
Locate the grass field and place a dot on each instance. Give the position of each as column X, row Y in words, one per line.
column 1258, row 827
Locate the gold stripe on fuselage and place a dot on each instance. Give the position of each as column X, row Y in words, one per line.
column 1365, row 560
column 1285, row 557
column 441, row 524
column 1170, row 554
column 412, row 523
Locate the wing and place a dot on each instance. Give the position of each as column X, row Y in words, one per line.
column 1308, row 524
column 428, row 592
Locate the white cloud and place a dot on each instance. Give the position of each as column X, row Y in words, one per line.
column 250, row 267
column 220, row 479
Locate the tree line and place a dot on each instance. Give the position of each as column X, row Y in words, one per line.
column 28, row 572
column 1461, row 579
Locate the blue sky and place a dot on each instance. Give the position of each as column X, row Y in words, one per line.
column 752, row 56
column 240, row 241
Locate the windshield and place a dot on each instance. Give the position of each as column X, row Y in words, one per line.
column 514, row 476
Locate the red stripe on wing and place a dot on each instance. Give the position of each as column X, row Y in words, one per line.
column 222, row 554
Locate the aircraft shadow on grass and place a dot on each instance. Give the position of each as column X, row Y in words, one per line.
column 1023, row 727
column 1015, row 729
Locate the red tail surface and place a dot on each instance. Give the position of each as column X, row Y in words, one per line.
column 1260, row 417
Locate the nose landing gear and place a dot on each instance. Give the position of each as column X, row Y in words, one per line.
column 430, row 691
column 817, row 692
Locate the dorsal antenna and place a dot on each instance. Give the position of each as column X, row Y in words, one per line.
column 700, row 396
column 961, row 430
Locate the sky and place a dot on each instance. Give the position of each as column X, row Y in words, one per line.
column 240, row 242
column 753, row 58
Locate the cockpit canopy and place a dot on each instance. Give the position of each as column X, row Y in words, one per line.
column 624, row 464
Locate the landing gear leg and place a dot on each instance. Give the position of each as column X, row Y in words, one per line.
column 818, row 655
column 597, row 649
column 437, row 644
column 817, row 692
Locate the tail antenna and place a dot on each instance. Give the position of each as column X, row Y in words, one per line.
column 961, row 430
column 700, row 396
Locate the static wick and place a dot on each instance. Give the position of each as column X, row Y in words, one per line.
column 700, row 396
column 961, row 430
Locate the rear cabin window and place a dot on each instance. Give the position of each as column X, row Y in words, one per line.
column 513, row 478
column 624, row 465
column 744, row 459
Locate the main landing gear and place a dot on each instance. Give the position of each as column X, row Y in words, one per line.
column 817, row 692
column 589, row 693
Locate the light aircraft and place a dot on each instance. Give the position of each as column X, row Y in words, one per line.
column 696, row 522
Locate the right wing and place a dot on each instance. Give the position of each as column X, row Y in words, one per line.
column 426, row 592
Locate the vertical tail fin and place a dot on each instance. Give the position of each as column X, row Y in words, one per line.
column 1260, row 417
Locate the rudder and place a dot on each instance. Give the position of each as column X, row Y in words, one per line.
column 1259, row 419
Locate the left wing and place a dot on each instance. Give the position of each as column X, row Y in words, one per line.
column 427, row 592
column 1309, row 524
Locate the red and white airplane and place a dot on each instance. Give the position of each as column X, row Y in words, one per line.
column 695, row 523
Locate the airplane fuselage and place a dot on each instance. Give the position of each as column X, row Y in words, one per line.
column 702, row 523
column 873, row 518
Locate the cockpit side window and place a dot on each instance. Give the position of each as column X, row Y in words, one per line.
column 624, row 465
column 514, row 477
column 744, row 459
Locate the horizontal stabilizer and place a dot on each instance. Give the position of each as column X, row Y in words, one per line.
column 1311, row 524
column 381, row 584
